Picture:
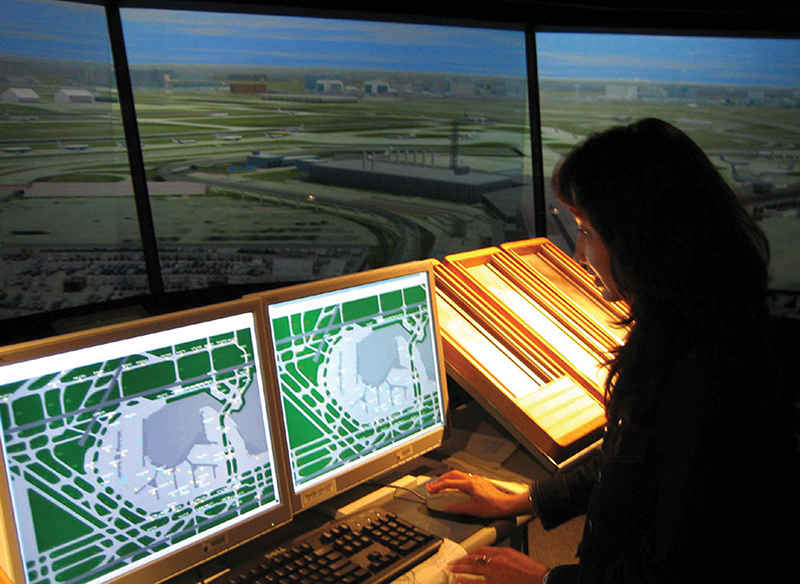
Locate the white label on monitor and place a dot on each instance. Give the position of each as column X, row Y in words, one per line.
column 219, row 542
column 319, row 493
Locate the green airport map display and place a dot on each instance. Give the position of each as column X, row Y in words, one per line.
column 115, row 460
column 357, row 376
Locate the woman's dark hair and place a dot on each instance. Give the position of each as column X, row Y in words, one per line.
column 685, row 254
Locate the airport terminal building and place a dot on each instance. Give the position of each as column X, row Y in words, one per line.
column 408, row 177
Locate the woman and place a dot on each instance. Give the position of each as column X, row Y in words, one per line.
column 697, row 478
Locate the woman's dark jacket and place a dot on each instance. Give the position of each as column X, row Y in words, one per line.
column 700, row 486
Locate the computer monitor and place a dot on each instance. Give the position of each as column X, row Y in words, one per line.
column 359, row 365
column 133, row 452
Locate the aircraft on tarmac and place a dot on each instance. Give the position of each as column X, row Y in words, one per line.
column 758, row 184
column 756, row 176
column 785, row 170
column 479, row 120
column 229, row 138
column 73, row 146
column 283, row 132
column 177, row 141
column 406, row 136
column 17, row 149
column 12, row 118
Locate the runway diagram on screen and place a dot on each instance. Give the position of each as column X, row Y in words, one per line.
column 116, row 460
column 357, row 377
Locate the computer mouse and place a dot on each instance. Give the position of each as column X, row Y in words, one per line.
column 438, row 501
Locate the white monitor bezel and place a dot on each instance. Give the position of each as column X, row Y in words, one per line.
column 318, row 492
column 200, row 549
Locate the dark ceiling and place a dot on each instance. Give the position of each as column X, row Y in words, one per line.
column 758, row 17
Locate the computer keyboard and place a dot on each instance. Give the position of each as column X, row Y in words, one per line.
column 370, row 547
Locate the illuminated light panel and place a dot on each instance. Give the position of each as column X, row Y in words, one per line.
column 542, row 399
column 538, row 320
column 526, row 332
column 561, row 408
column 512, row 376
column 553, row 265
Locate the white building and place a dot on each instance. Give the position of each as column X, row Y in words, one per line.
column 621, row 92
column 73, row 96
column 329, row 86
column 20, row 95
column 376, row 87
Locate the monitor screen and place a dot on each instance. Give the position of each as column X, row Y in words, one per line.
column 359, row 365
column 133, row 452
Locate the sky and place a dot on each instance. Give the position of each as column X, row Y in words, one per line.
column 739, row 61
column 46, row 28
column 192, row 37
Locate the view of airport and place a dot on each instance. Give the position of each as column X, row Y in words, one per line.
column 112, row 461
column 281, row 149
column 739, row 99
column 357, row 376
column 750, row 136
column 230, row 152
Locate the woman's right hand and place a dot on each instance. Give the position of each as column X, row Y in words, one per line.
column 487, row 499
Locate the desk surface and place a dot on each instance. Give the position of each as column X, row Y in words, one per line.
column 470, row 533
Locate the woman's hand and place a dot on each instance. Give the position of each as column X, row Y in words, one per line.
column 498, row 565
column 487, row 499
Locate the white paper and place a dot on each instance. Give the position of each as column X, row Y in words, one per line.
column 466, row 462
column 434, row 569
column 487, row 444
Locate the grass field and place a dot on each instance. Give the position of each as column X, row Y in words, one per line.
column 207, row 137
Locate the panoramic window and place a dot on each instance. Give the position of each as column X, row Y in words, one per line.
column 739, row 99
column 69, row 234
column 285, row 149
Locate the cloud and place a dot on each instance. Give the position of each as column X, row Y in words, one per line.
column 85, row 38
